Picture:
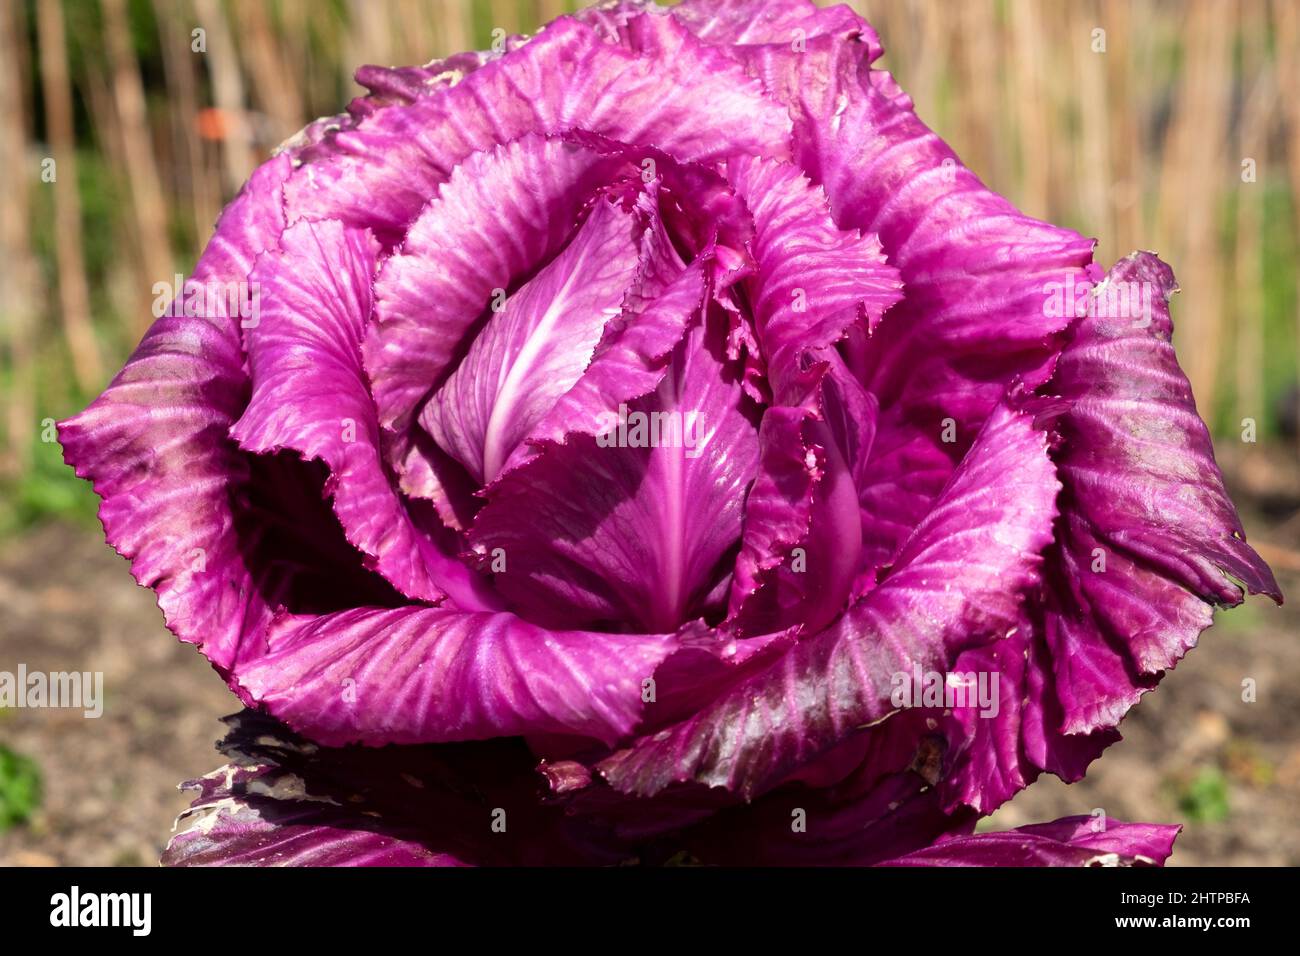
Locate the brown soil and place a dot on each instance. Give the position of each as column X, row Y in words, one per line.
column 110, row 784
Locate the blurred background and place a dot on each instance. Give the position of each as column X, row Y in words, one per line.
column 125, row 125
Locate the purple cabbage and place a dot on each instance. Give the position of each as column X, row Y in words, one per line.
column 623, row 418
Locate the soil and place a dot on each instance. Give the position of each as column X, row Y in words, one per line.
column 109, row 783
column 1194, row 751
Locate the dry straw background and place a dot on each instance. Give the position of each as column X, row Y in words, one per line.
column 1183, row 136
column 1141, row 145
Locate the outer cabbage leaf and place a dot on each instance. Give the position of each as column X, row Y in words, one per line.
column 1149, row 539
column 283, row 801
column 419, row 674
column 1070, row 841
column 728, row 22
column 379, row 172
column 155, row 444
